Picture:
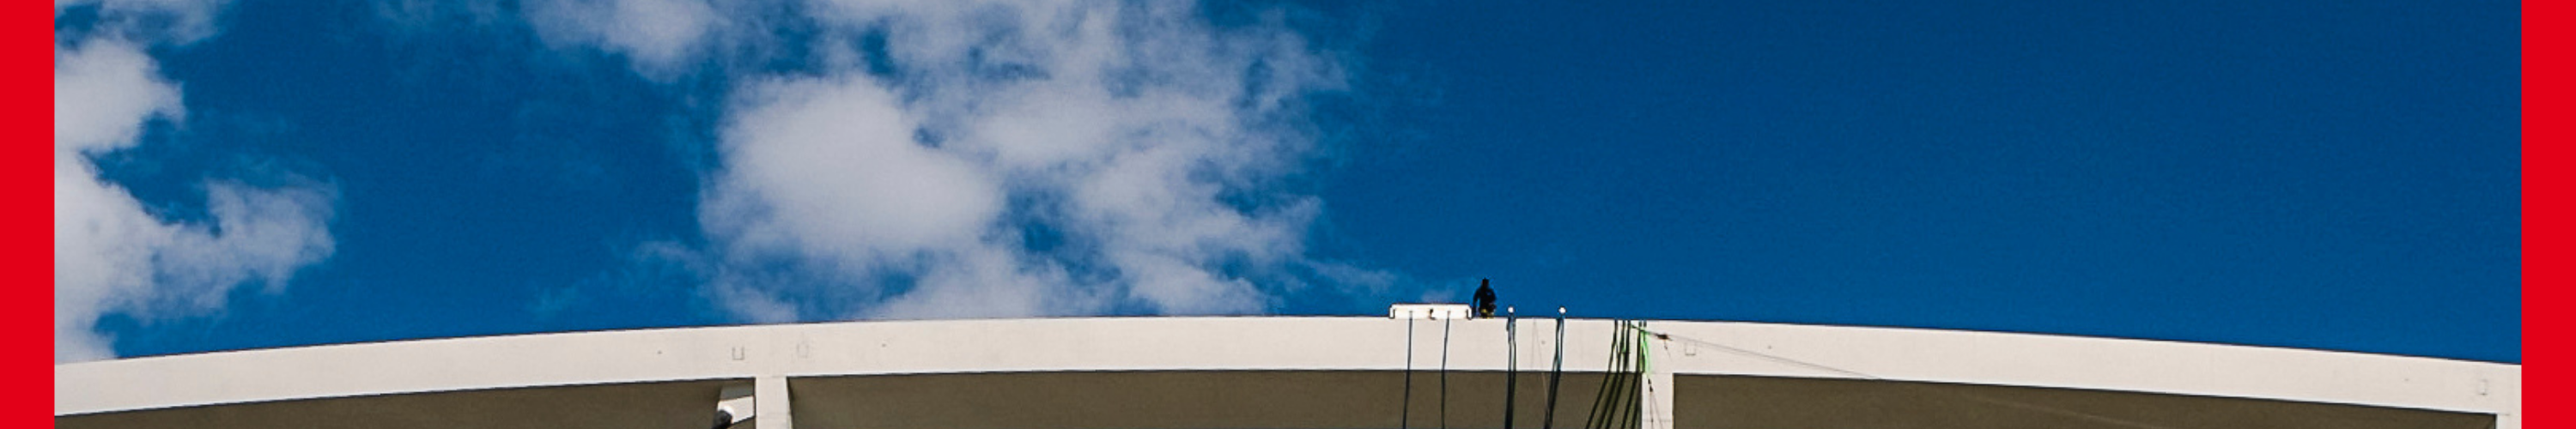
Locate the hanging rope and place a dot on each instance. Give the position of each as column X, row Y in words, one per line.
column 1444, row 373
column 1511, row 363
column 1630, row 404
column 1617, row 405
column 1406, row 416
column 1606, row 399
column 1555, row 370
column 1637, row 409
column 1645, row 365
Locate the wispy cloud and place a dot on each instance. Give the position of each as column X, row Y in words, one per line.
column 656, row 36
column 177, row 22
column 930, row 159
column 112, row 255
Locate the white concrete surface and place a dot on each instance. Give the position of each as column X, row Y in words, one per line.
column 1429, row 311
column 1267, row 343
column 2094, row 363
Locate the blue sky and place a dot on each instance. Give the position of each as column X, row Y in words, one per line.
column 257, row 173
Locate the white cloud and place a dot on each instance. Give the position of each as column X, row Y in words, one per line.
column 1001, row 158
column 259, row 236
column 173, row 21
column 815, row 164
column 988, row 281
column 110, row 254
column 657, row 36
column 103, row 92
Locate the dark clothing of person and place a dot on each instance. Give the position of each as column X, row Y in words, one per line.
column 1485, row 299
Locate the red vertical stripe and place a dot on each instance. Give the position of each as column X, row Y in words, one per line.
column 30, row 242
column 2544, row 205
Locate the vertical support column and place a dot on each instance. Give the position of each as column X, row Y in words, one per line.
column 1657, row 386
column 1659, row 400
column 769, row 393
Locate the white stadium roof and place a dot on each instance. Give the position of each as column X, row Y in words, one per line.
column 1285, row 372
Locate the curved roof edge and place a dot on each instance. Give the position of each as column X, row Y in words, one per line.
column 1271, row 343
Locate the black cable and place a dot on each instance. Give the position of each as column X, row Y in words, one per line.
column 1618, row 380
column 1444, row 373
column 1633, row 400
column 1406, row 416
column 1555, row 371
column 1631, row 386
column 1605, row 402
column 1511, row 363
column 1592, row 416
column 1601, row 394
column 1631, row 360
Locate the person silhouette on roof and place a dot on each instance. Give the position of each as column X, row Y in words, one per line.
column 1485, row 298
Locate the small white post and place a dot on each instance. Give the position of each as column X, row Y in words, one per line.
column 769, row 394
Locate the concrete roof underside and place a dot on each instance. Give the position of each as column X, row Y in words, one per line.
column 1283, row 400
column 682, row 404
column 1285, row 373
column 1779, row 402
